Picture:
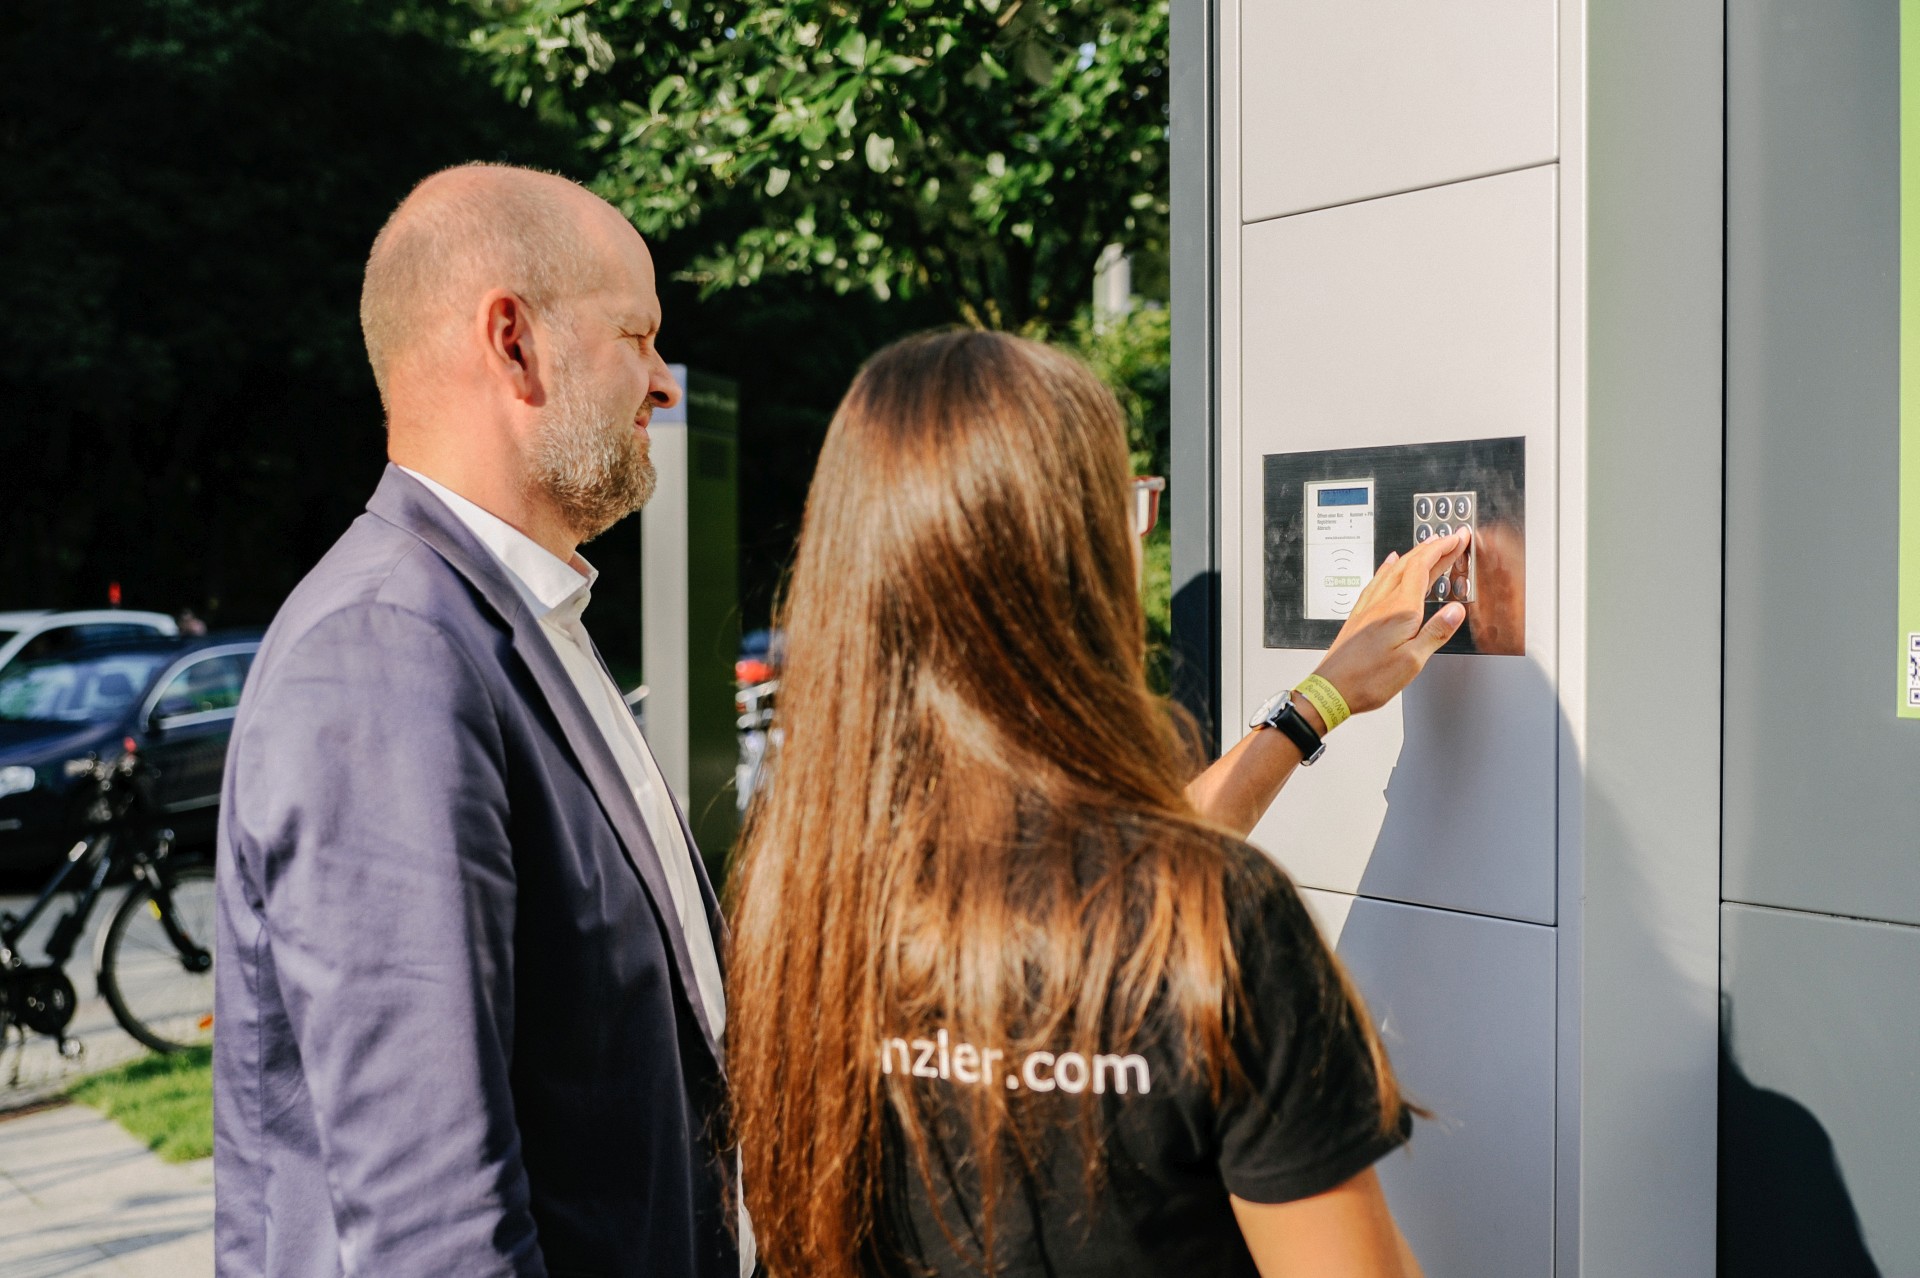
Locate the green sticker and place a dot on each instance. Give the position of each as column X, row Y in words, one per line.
column 1907, row 640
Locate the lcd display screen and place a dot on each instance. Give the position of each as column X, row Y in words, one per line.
column 1345, row 496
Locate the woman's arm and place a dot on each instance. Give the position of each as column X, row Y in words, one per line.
column 1347, row 1232
column 1238, row 789
column 1379, row 650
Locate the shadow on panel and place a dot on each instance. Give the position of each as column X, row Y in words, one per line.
column 1784, row 1206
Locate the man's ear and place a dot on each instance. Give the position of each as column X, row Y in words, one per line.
column 511, row 353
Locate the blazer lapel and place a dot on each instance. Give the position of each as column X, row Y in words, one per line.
column 403, row 502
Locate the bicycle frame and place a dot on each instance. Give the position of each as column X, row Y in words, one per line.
column 91, row 851
column 150, row 868
column 96, row 854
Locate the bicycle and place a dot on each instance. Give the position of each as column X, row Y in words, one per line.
column 154, row 962
column 754, row 702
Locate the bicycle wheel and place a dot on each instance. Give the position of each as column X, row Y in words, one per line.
column 160, row 993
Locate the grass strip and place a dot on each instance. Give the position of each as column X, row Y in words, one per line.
column 166, row 1102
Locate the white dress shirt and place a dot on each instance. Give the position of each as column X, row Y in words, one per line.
column 557, row 593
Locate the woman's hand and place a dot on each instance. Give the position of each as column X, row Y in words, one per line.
column 1378, row 651
column 1383, row 644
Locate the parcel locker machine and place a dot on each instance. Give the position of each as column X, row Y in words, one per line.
column 1629, row 876
column 1446, row 263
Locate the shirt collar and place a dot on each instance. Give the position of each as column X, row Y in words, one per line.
column 548, row 583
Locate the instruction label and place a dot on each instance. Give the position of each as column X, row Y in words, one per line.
column 1339, row 546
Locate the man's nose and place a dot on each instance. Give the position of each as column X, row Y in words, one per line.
column 664, row 391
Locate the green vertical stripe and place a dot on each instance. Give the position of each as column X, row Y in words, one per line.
column 1909, row 596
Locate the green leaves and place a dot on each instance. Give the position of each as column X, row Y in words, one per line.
column 977, row 150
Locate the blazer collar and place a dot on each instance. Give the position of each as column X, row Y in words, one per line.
column 404, row 502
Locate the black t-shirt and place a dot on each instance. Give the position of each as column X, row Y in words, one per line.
column 1306, row 1120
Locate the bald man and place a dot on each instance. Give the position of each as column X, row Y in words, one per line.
column 469, row 989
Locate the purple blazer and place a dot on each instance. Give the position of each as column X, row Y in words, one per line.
column 454, row 1030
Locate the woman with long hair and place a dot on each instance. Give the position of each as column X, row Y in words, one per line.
column 1009, row 992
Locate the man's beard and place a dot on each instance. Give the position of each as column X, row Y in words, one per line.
column 588, row 459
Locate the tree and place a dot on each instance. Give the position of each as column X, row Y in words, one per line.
column 187, row 193
column 978, row 151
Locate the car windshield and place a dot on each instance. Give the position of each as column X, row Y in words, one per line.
column 76, row 690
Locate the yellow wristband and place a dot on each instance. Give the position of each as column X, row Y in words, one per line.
column 1325, row 698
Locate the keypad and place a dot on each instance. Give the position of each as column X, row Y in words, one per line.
column 1438, row 515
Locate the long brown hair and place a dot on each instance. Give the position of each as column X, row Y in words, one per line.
column 977, row 818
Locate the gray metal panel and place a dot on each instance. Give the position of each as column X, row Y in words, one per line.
column 1825, row 818
column 1821, row 1135
column 1191, row 499
column 1418, row 319
column 1349, row 100
column 1466, row 1007
column 1640, row 829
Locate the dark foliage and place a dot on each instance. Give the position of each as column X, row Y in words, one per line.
column 189, row 192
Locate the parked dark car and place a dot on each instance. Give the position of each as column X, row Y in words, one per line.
column 171, row 699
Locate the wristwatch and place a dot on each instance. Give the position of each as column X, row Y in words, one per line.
column 1278, row 713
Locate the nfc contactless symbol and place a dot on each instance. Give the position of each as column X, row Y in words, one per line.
column 1342, row 579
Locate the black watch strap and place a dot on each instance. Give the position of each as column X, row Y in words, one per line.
column 1280, row 715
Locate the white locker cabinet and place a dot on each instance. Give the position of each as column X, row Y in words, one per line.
column 1465, row 1006
column 1344, row 100
column 1420, row 318
column 1404, row 229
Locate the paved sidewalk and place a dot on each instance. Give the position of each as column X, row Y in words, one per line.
column 79, row 1198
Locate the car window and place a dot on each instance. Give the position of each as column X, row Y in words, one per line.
column 212, row 683
column 51, row 643
column 113, row 632
column 86, row 690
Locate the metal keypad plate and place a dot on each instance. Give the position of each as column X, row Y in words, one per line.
column 1438, row 515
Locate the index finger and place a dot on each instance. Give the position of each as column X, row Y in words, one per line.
column 1427, row 562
